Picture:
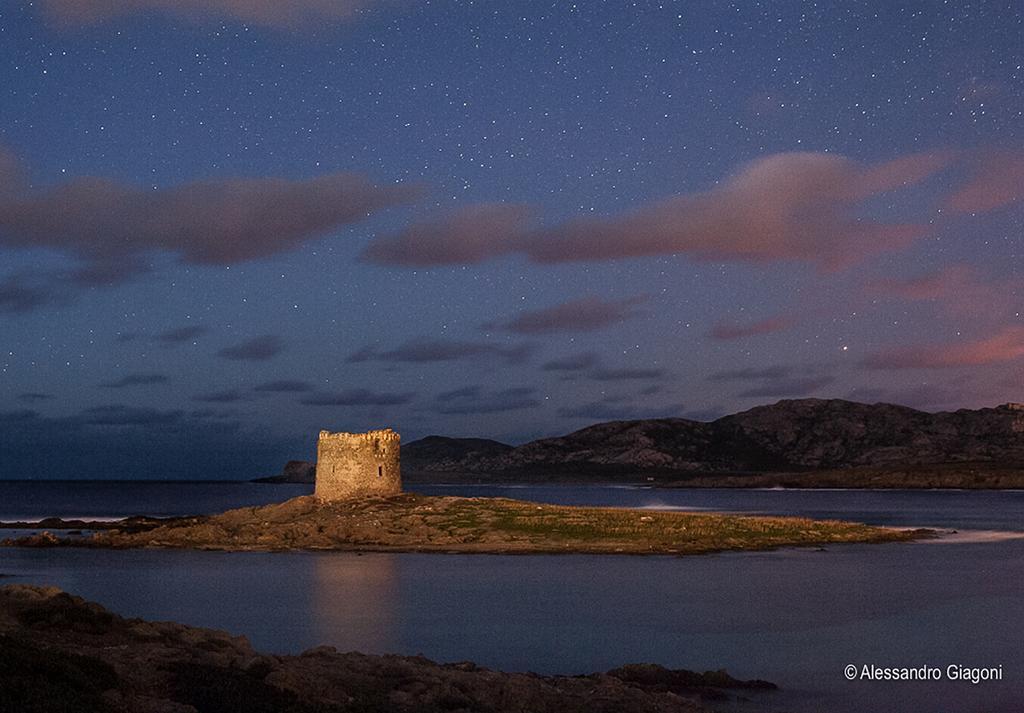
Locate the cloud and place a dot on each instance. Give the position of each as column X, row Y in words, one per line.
column 1005, row 345
column 997, row 180
column 424, row 350
column 33, row 396
column 179, row 335
column 24, row 292
column 924, row 396
column 278, row 14
column 118, row 415
column 474, row 399
column 136, row 380
column 960, row 290
column 284, row 386
column 470, row 235
column 792, row 386
column 259, row 348
column 582, row 315
column 613, row 411
column 790, row 206
column 112, row 228
column 796, row 206
column 588, row 364
column 359, row 397
column 776, row 381
column 168, row 338
column 752, row 374
column 625, row 374
column 220, row 397
column 574, row 362
column 725, row 332
column 929, row 286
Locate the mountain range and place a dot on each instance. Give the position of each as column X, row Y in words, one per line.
column 823, row 442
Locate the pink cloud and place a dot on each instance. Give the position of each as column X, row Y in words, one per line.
column 793, row 206
column 930, row 286
column 280, row 14
column 725, row 332
column 206, row 222
column 112, row 227
column 797, row 206
column 923, row 396
column 997, row 180
column 1005, row 345
column 959, row 290
column 898, row 173
column 470, row 235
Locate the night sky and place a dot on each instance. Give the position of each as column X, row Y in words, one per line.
column 227, row 224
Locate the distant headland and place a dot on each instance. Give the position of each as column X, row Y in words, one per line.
column 792, row 443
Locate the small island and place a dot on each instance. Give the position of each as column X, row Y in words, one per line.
column 359, row 506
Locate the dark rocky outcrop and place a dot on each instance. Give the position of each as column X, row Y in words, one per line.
column 295, row 471
column 791, row 436
column 61, row 653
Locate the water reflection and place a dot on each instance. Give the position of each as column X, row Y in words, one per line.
column 354, row 599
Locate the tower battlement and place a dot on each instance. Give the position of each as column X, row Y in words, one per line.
column 381, row 434
column 354, row 465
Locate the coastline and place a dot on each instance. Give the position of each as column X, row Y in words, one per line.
column 61, row 651
column 445, row 524
column 950, row 475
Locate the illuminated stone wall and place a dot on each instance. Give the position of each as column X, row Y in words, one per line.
column 355, row 465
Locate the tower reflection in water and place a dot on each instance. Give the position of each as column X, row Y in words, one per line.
column 355, row 601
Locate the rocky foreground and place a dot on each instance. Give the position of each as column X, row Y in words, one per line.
column 60, row 653
column 418, row 523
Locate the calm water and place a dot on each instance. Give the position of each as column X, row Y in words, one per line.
column 796, row 617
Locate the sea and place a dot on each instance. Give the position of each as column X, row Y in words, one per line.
column 804, row 618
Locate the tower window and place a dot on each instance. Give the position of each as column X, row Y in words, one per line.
column 380, row 471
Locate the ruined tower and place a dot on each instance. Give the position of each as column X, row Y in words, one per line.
column 353, row 465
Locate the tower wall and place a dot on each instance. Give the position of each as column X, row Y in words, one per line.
column 353, row 465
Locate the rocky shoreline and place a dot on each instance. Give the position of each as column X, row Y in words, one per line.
column 59, row 652
column 418, row 523
column 939, row 476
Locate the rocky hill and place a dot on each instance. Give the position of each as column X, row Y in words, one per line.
column 789, row 436
column 441, row 453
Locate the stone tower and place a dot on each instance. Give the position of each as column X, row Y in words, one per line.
column 353, row 465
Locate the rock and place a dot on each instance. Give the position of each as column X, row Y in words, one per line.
column 295, row 471
column 42, row 539
column 106, row 667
